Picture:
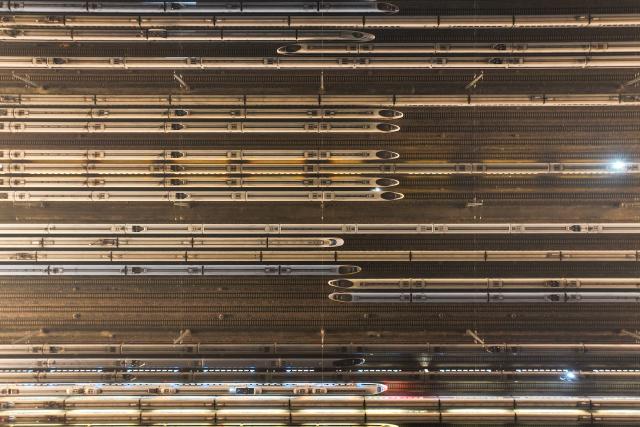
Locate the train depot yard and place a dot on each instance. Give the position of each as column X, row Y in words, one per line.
column 319, row 213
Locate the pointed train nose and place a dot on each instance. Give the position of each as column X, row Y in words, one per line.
column 349, row 269
column 387, row 155
column 290, row 49
column 341, row 283
column 341, row 297
column 390, row 114
column 390, row 195
column 387, row 8
column 386, row 182
column 358, row 36
column 387, row 127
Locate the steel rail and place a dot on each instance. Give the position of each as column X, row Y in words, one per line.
column 81, row 167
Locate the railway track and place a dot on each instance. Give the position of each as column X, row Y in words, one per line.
column 491, row 242
column 199, row 284
column 476, row 142
column 505, row 183
column 308, row 81
column 159, row 309
column 593, row 130
column 525, row 116
column 513, row 388
column 620, row 241
column 504, row 269
column 593, row 196
column 252, row 325
column 267, row 43
column 522, row 35
column 193, row 297
column 519, row 313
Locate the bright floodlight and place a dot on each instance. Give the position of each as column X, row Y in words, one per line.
column 568, row 376
column 618, row 165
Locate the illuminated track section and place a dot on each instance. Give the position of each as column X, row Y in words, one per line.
column 69, row 19
column 137, row 350
column 452, row 100
column 21, row 167
column 167, row 7
column 325, row 62
column 133, row 229
column 206, row 377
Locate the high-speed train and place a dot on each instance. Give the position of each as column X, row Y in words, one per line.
column 464, row 374
column 21, row 167
column 485, row 297
column 318, row 62
column 197, row 196
column 105, row 113
column 454, row 48
column 197, row 389
column 368, row 411
column 47, row 181
column 315, row 256
column 486, row 283
column 193, row 7
column 171, row 35
column 189, row 155
column 190, row 229
column 171, row 242
column 277, row 363
column 72, row 19
column 398, row 101
column 26, row 269
column 130, row 350
column 322, row 411
column 175, row 127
